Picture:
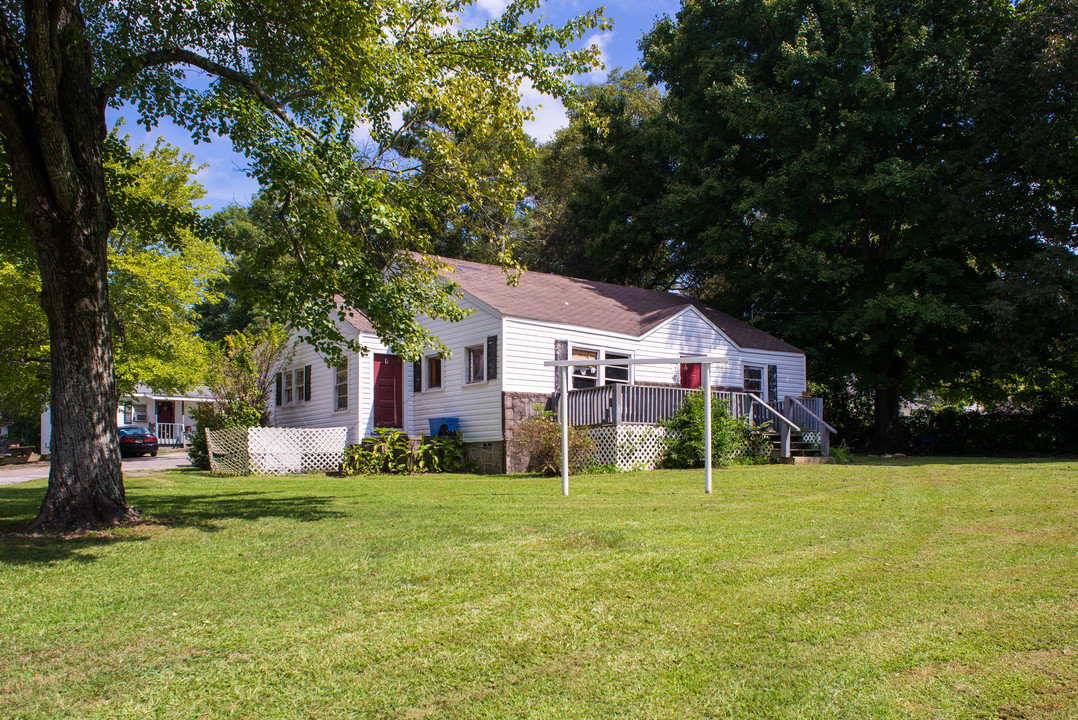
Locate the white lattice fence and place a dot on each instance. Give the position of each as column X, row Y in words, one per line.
column 629, row 447
column 275, row 451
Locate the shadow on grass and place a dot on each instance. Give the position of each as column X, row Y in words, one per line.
column 208, row 512
column 204, row 512
column 916, row 460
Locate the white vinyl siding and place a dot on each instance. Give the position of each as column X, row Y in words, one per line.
column 529, row 343
column 319, row 410
column 478, row 405
column 791, row 370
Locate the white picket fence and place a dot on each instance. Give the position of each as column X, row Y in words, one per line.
column 275, row 451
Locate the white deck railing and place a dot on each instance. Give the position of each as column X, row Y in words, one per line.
column 618, row 404
column 171, row 434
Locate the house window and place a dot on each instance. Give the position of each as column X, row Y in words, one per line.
column 476, row 364
column 288, row 388
column 434, row 372
column 140, row 413
column 614, row 374
column 340, row 387
column 754, row 380
column 299, row 386
column 585, row 376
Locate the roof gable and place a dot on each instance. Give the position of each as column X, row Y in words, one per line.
column 591, row 304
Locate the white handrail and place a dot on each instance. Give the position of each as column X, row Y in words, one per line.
column 812, row 414
column 776, row 412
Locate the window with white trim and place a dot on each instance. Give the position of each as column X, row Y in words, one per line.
column 476, row 358
column 586, row 376
column 616, row 374
column 288, row 394
column 340, row 386
column 434, row 372
column 141, row 413
column 299, row 386
column 754, row 380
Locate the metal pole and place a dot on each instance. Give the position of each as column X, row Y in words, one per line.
column 705, row 378
column 563, row 413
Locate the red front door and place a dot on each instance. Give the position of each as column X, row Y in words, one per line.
column 388, row 391
column 166, row 411
column 690, row 376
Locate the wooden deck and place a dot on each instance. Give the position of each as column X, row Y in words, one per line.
column 618, row 404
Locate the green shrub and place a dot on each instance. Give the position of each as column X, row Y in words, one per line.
column 1047, row 428
column 390, row 452
column 842, row 455
column 539, row 439
column 733, row 440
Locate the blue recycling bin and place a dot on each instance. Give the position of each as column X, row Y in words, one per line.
column 443, row 425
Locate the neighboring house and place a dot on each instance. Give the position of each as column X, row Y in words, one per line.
column 496, row 374
column 169, row 417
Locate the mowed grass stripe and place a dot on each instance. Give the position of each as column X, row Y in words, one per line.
column 901, row 589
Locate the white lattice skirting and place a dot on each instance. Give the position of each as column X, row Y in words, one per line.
column 275, row 451
column 629, row 447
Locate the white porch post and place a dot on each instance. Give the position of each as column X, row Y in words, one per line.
column 563, row 415
column 705, row 382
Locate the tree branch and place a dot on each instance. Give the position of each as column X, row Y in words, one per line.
column 172, row 56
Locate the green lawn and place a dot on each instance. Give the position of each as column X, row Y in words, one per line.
column 900, row 589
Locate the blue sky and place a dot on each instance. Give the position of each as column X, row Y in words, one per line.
column 224, row 178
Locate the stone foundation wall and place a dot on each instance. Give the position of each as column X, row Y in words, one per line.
column 488, row 457
column 517, row 407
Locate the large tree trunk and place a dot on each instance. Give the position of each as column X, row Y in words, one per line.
column 53, row 122
column 85, row 480
column 888, row 435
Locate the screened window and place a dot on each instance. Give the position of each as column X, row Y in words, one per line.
column 754, row 380
column 434, row 372
column 140, row 413
column 476, row 364
column 340, row 387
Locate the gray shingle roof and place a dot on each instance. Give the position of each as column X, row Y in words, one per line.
column 597, row 305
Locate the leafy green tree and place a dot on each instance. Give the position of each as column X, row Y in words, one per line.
column 566, row 173
column 24, row 344
column 240, row 376
column 835, row 171
column 160, row 264
column 291, row 85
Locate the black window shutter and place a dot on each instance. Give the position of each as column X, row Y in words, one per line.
column 561, row 352
column 417, row 376
column 278, row 402
column 492, row 357
column 306, row 383
column 773, row 384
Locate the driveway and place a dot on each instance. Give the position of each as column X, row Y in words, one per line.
column 165, row 460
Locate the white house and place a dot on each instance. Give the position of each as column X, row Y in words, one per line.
column 170, row 417
column 496, row 374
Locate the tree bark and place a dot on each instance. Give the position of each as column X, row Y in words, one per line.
column 888, row 435
column 85, row 480
column 53, row 122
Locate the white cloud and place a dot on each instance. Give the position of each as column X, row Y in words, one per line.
column 549, row 112
column 493, row 8
column 602, row 42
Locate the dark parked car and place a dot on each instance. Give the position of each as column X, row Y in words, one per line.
column 135, row 440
